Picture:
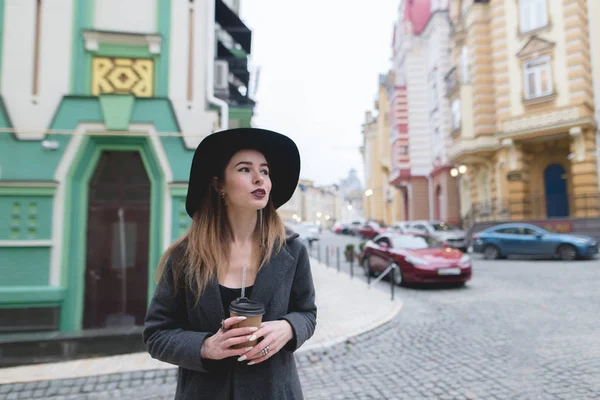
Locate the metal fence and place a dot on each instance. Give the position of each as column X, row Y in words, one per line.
column 535, row 207
column 336, row 257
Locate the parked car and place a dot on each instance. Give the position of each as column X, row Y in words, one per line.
column 444, row 232
column 370, row 230
column 526, row 239
column 308, row 231
column 420, row 259
column 343, row 228
column 399, row 227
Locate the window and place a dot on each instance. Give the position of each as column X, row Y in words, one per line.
column 444, row 227
column 537, row 78
column 410, row 242
column 455, row 114
column 533, row 14
column 464, row 64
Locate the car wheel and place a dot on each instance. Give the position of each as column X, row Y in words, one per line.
column 398, row 279
column 566, row 252
column 491, row 252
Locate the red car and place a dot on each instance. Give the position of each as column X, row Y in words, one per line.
column 420, row 259
column 370, row 230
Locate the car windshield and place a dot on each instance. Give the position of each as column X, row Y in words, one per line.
column 410, row 242
column 444, row 227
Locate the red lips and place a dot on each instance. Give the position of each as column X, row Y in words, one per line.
column 259, row 193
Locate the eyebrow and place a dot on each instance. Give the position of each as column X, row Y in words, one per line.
column 250, row 163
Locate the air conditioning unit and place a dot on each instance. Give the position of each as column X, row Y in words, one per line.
column 221, row 75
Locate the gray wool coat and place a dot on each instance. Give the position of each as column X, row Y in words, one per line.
column 175, row 329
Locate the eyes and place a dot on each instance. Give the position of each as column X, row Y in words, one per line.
column 262, row 171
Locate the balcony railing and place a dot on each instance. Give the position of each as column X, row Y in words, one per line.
column 535, row 207
column 451, row 81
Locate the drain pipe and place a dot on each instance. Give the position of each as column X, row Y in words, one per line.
column 210, row 67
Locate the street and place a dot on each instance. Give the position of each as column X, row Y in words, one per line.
column 518, row 330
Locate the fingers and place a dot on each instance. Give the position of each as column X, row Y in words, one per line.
column 237, row 340
column 239, row 332
column 232, row 321
column 237, row 352
column 263, row 331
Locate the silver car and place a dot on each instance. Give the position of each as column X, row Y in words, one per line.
column 444, row 232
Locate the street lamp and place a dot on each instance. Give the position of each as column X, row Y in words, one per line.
column 295, row 216
column 462, row 169
column 327, row 217
column 349, row 207
column 369, row 192
column 319, row 215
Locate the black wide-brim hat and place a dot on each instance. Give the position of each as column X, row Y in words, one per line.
column 215, row 151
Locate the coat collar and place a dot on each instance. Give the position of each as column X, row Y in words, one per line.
column 267, row 281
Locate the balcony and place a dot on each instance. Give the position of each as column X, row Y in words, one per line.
column 238, row 64
column 233, row 25
column 452, row 83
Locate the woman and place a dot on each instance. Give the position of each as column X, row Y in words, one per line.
column 238, row 179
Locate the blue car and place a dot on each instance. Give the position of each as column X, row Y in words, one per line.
column 525, row 239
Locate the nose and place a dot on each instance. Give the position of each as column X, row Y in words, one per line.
column 258, row 179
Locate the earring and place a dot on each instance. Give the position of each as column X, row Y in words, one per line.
column 223, row 198
column 260, row 227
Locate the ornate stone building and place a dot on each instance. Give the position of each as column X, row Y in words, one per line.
column 523, row 109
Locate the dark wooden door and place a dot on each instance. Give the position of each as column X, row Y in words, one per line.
column 116, row 279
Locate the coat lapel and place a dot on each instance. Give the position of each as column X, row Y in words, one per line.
column 212, row 305
column 271, row 276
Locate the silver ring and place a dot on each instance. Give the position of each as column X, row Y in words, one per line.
column 265, row 351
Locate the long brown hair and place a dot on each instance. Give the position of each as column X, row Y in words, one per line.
column 204, row 248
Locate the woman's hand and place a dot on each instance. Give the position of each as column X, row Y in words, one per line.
column 218, row 346
column 276, row 334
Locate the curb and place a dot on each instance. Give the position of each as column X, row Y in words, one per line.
column 330, row 343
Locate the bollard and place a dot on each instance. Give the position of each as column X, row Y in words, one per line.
column 351, row 267
column 327, row 256
column 338, row 258
column 392, row 272
column 368, row 274
column 319, row 252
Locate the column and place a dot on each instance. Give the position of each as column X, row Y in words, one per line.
column 584, row 168
column 519, row 196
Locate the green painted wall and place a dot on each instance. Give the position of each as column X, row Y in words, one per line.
column 24, row 266
column 30, row 296
column 27, row 217
column 1, row 35
column 27, row 160
column 180, row 220
column 242, row 115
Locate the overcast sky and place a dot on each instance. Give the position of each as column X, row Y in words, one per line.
column 320, row 63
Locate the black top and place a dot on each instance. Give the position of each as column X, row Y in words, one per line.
column 229, row 294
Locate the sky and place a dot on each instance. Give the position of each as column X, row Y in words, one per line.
column 320, row 62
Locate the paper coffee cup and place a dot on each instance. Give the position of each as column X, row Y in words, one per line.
column 252, row 310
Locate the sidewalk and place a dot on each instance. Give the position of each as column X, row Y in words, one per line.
column 346, row 308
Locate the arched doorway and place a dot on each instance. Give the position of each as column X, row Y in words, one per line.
column 555, row 186
column 117, row 242
column 437, row 211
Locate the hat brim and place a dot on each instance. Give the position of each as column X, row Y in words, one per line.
column 216, row 149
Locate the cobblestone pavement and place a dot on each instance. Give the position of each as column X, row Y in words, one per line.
column 519, row 330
